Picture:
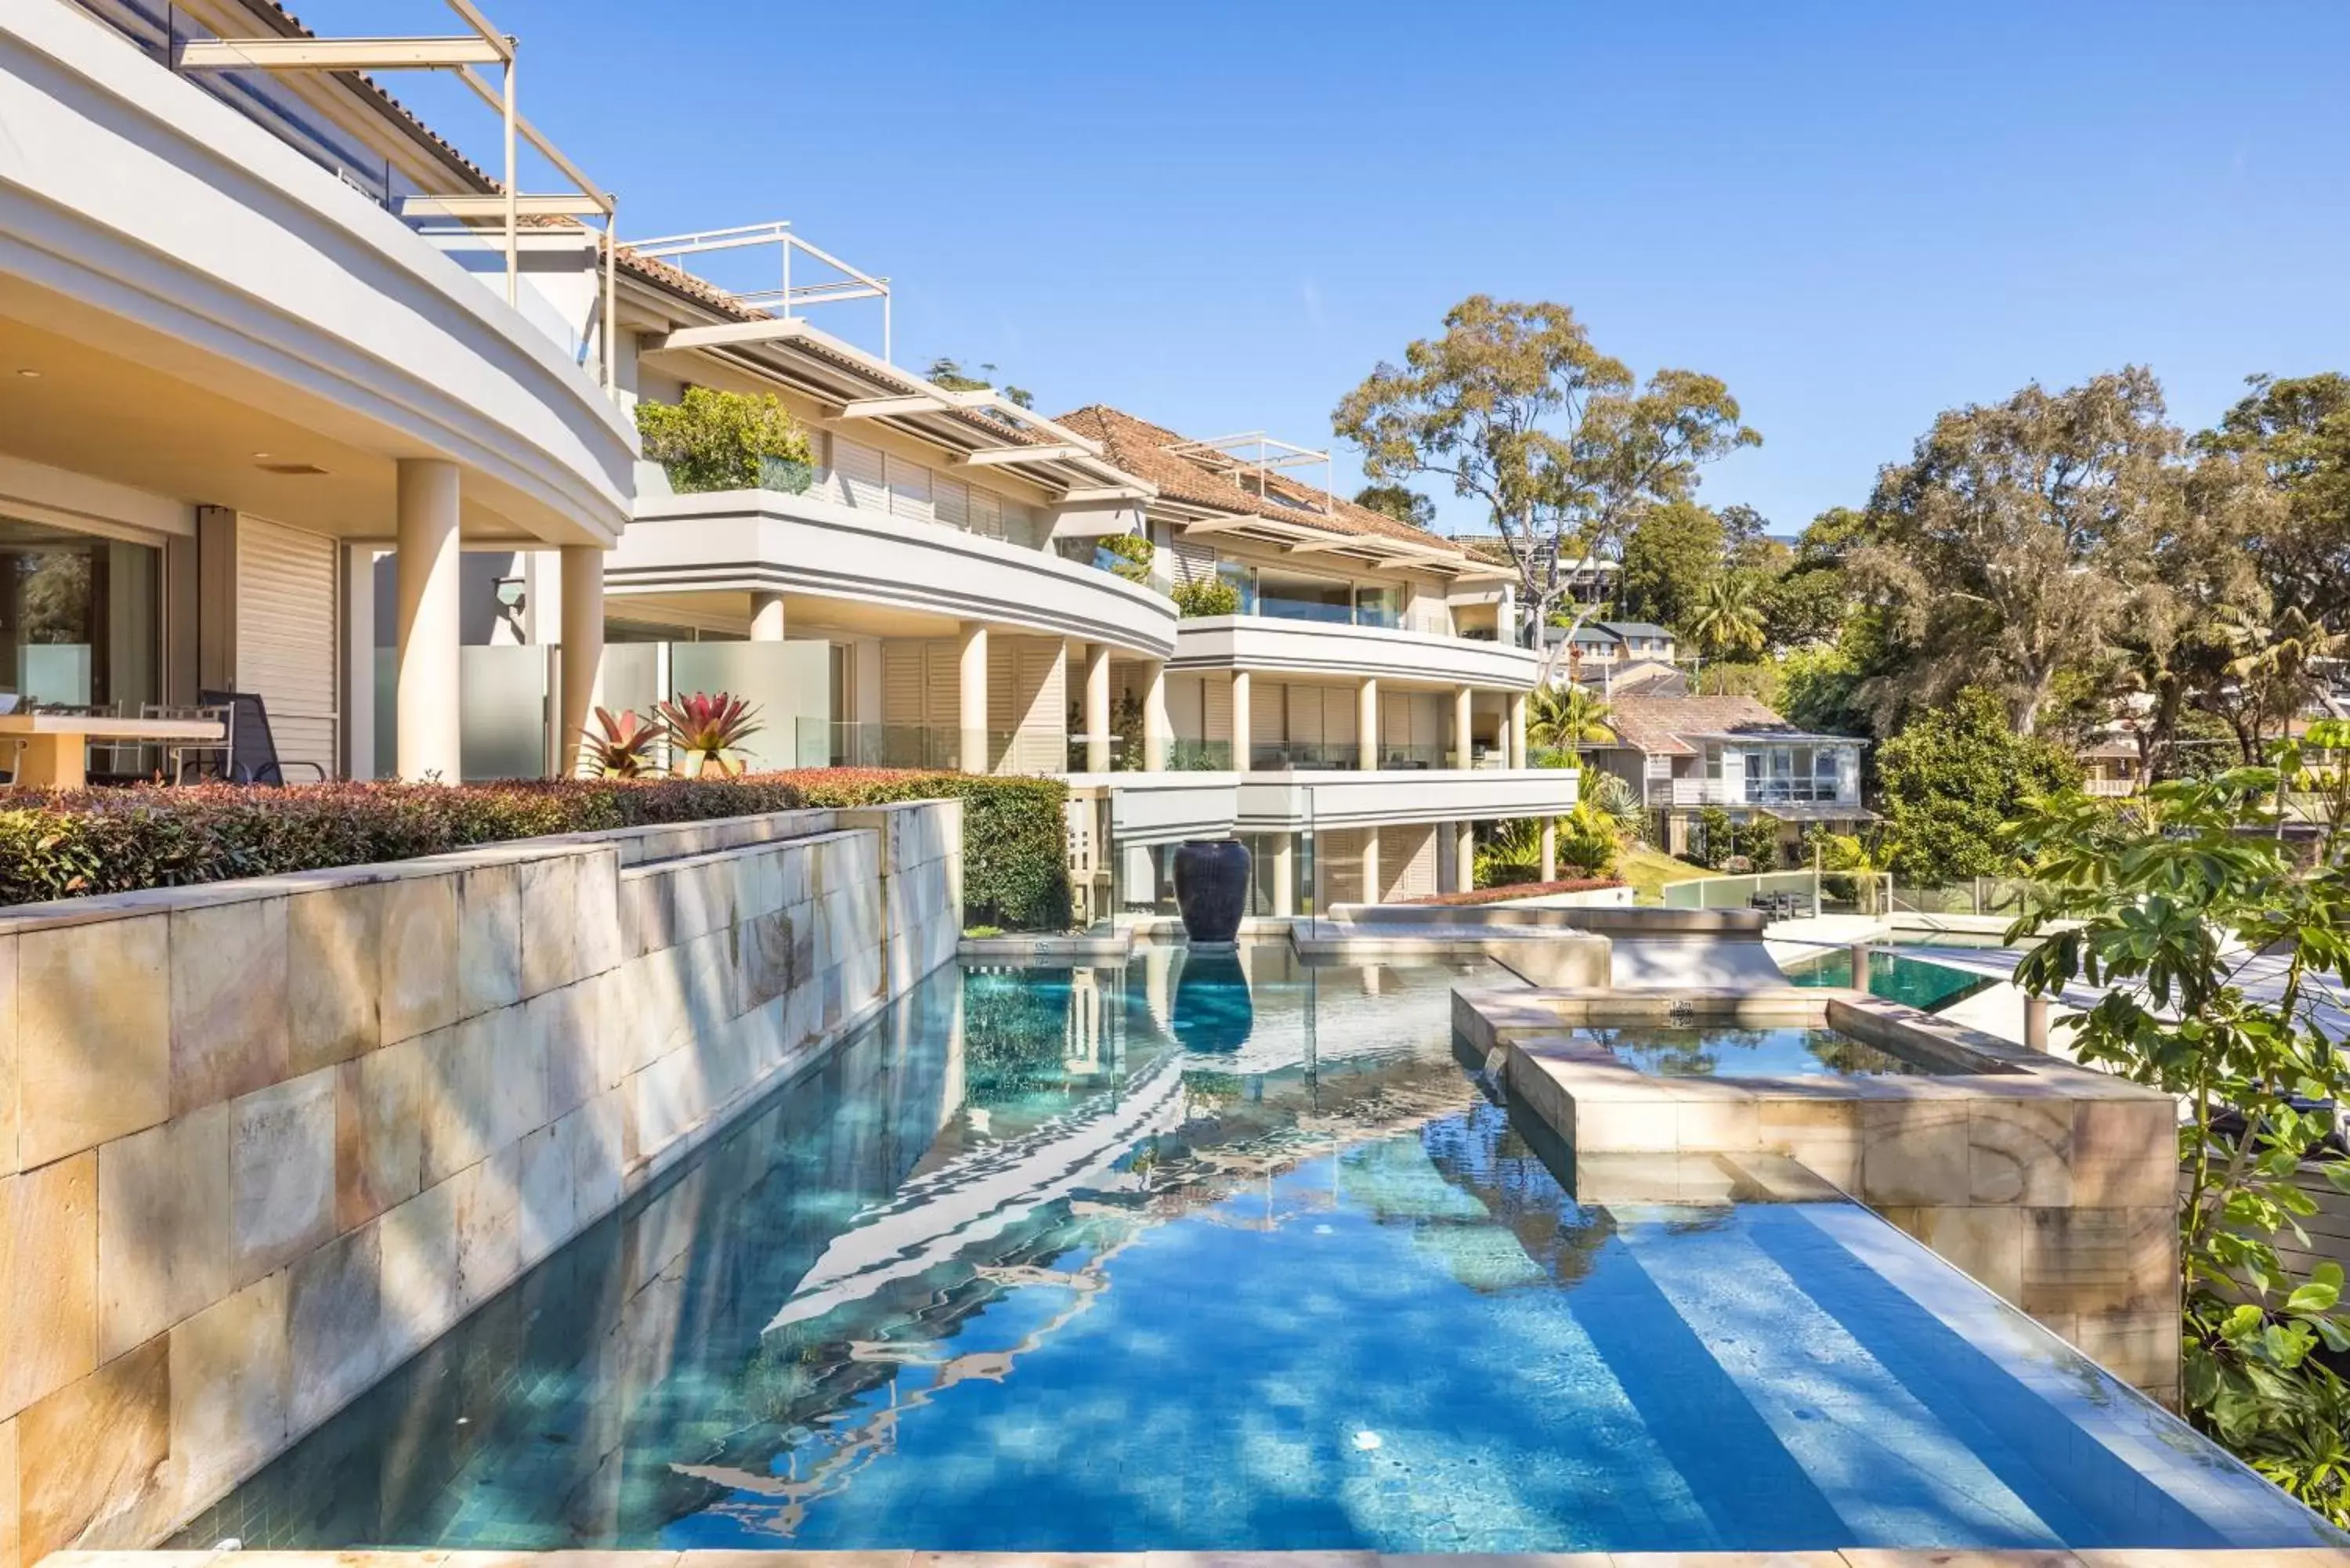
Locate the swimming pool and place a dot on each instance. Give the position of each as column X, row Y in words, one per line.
column 1018, row 1269
column 1720, row 1051
column 1897, row 977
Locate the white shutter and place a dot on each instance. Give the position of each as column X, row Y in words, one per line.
column 1305, row 726
column 1193, row 562
column 1395, row 721
column 904, row 675
column 1042, row 745
column 909, row 490
column 1216, row 696
column 859, row 468
column 986, row 512
column 1339, row 865
column 1268, row 724
column 286, row 636
column 952, row 498
column 1339, row 706
column 827, row 485
column 1416, row 875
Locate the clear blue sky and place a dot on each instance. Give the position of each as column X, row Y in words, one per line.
column 1220, row 217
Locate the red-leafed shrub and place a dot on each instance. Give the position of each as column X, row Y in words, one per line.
column 1518, row 890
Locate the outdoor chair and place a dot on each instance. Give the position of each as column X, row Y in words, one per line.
column 200, row 757
column 252, row 750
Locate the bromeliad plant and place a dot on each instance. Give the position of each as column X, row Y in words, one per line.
column 617, row 745
column 2224, row 939
column 707, row 730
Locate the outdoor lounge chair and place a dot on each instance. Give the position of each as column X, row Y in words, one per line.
column 252, row 750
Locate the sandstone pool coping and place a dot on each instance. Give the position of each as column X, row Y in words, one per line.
column 1845, row 1557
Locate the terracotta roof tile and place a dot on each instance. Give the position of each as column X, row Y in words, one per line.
column 1140, row 447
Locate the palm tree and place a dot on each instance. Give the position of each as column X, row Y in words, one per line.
column 1728, row 621
column 1564, row 719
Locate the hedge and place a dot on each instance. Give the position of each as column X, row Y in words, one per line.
column 65, row 844
column 1015, row 850
column 1509, row 890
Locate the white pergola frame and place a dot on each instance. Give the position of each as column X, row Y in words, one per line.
column 483, row 46
column 1258, row 451
column 853, row 283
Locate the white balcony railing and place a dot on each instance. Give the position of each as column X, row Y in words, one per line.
column 1745, row 791
column 2109, row 786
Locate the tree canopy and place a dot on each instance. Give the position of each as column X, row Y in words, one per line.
column 1517, row 409
column 1953, row 778
column 1399, row 502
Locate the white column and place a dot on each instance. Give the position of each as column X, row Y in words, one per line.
column 1518, row 730
column 1240, row 740
column 1097, row 735
column 428, row 630
column 359, row 662
column 583, row 645
column 1371, row 887
column 1284, row 874
column 1154, row 726
column 766, row 617
column 1464, row 856
column 1464, row 743
column 971, row 708
column 1550, row 849
column 1366, row 723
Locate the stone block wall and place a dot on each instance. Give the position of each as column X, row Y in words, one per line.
column 2049, row 1183
column 260, row 1141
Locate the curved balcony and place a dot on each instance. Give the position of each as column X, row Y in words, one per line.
column 201, row 300
column 1340, row 650
column 1272, row 802
column 766, row 540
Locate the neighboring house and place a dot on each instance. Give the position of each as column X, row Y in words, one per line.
column 1608, row 656
column 2112, row 766
column 1686, row 753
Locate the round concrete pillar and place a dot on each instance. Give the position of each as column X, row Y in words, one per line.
column 426, row 636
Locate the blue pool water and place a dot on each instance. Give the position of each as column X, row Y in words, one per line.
column 1177, row 1256
column 1780, row 1052
column 1918, row 982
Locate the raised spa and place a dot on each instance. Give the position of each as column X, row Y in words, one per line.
column 1779, row 1050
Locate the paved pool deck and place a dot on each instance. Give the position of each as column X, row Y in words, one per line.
column 1847, row 1557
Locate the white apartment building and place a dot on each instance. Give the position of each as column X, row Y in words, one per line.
column 236, row 368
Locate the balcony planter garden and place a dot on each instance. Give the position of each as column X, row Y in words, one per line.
column 711, row 440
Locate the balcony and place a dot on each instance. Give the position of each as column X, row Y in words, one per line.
column 202, row 292
column 1275, row 802
column 768, row 541
column 1693, row 792
column 1340, row 647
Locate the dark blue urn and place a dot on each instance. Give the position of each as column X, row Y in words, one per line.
column 1211, row 883
column 1214, row 1011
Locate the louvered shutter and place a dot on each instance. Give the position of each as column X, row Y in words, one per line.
column 1216, row 722
column 827, row 485
column 286, row 636
column 905, row 674
column 1193, row 562
column 859, row 468
column 986, row 512
column 1268, row 724
column 952, row 497
column 1416, row 877
column 909, row 490
column 1305, row 725
column 1337, row 714
column 1339, row 860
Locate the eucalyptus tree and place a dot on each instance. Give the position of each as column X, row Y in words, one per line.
column 2295, row 433
column 2018, row 540
column 1516, row 408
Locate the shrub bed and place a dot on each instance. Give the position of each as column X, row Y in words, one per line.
column 1016, row 852
column 1519, row 891
column 71, row 844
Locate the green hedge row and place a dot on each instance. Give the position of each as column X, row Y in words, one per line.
column 1015, row 853
column 64, row 844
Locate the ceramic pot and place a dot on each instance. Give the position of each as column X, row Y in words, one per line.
column 1211, row 883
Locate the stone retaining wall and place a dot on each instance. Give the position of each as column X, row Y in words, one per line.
column 260, row 1141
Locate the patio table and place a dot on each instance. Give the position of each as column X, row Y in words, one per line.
column 56, row 743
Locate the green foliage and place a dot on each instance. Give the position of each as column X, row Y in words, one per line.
column 1127, row 556
column 1015, row 867
column 1615, row 799
column 713, row 439
column 2295, row 433
column 617, row 745
column 1560, row 720
column 1399, row 502
column 1716, row 839
column 1206, row 596
column 1763, row 682
column 1587, row 844
column 1820, row 688
column 1950, row 781
column 949, row 373
column 1517, row 409
column 1672, row 555
column 1727, row 620
column 2158, row 905
column 1806, row 607
column 1758, row 841
column 1832, row 851
column 64, row 844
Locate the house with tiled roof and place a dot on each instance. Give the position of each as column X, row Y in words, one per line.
column 1359, row 676
column 1684, row 754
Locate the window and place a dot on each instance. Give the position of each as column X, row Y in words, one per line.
column 78, row 618
column 1243, row 578
column 1381, row 605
